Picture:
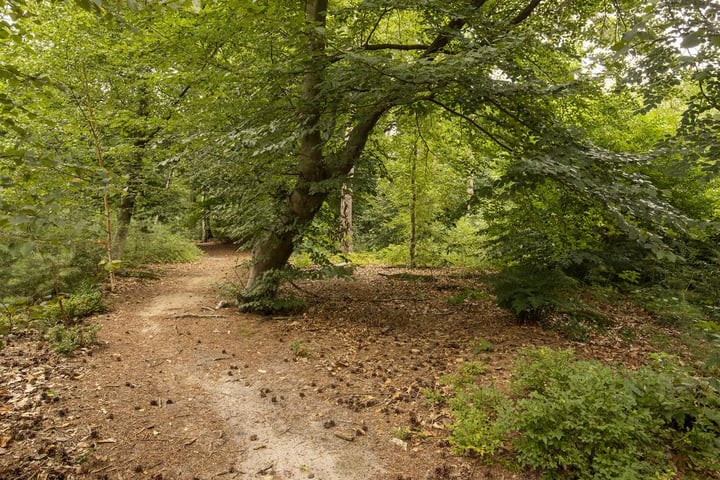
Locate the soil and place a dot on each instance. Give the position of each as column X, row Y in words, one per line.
column 180, row 389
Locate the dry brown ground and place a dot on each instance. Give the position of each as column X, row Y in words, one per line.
column 180, row 390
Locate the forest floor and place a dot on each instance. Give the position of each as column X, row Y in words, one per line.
column 178, row 389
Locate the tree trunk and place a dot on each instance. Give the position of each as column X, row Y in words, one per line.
column 126, row 209
column 206, row 233
column 273, row 250
column 124, row 217
column 346, row 217
column 413, row 205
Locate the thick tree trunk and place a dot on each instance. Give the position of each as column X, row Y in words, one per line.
column 273, row 250
column 126, row 209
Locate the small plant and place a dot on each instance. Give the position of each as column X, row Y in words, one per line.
column 274, row 306
column 466, row 294
column 66, row 340
column 227, row 289
column 480, row 425
column 434, row 397
column 299, row 349
column 480, row 345
column 9, row 318
column 669, row 307
column 87, row 301
column 466, row 374
column 402, row 433
column 532, row 293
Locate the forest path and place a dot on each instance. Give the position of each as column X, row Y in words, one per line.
column 180, row 390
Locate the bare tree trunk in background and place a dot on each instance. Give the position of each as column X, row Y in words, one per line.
column 413, row 204
column 346, row 217
column 126, row 208
column 206, row 234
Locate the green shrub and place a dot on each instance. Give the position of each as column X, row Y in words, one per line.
column 87, row 301
column 273, row 306
column 547, row 296
column 583, row 420
column 687, row 405
column 68, row 339
column 669, row 307
column 531, row 293
column 480, row 421
column 158, row 245
column 58, row 261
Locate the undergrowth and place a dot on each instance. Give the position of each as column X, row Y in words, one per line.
column 67, row 339
column 574, row 419
column 549, row 297
column 83, row 303
column 159, row 245
column 59, row 319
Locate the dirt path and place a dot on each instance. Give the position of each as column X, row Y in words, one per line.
column 181, row 390
column 185, row 391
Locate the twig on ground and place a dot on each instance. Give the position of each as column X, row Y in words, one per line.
column 197, row 315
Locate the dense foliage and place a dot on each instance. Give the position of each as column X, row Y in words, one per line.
column 566, row 147
column 574, row 419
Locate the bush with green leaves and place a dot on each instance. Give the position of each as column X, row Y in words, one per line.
column 575, row 419
column 66, row 339
column 58, row 259
column 83, row 303
column 158, row 245
column 531, row 293
column 549, row 296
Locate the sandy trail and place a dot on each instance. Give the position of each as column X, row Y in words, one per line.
column 188, row 392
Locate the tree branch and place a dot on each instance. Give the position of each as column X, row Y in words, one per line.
column 377, row 24
column 443, row 39
column 395, row 46
column 472, row 122
column 456, row 24
column 522, row 16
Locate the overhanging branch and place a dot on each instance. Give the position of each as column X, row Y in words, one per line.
column 522, row 16
column 395, row 46
column 472, row 122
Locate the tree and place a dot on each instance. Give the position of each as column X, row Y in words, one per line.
column 496, row 66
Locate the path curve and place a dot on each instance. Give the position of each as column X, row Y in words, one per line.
column 181, row 390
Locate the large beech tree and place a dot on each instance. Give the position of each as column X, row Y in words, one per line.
column 508, row 69
column 267, row 106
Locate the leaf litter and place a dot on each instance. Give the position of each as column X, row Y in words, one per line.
column 342, row 391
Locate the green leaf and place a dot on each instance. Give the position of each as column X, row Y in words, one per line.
column 692, row 40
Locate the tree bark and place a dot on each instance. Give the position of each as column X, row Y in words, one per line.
column 126, row 208
column 273, row 250
column 346, row 217
column 413, row 204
